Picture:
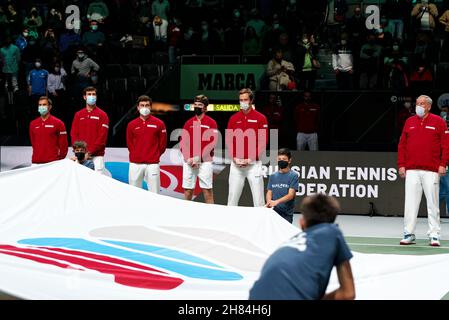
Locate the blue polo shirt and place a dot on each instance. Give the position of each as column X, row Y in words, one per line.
column 279, row 183
column 300, row 269
column 37, row 79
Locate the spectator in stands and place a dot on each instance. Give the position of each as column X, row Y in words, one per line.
column 160, row 8
column 406, row 111
column 93, row 38
column 10, row 55
column 37, row 82
column 146, row 138
column 14, row 21
column 49, row 46
column 301, row 268
column 98, row 11
column 396, row 11
column 198, row 140
column 83, row 68
column 218, row 29
column 175, row 34
column 277, row 72
column 342, row 63
column 209, row 39
column 444, row 20
column 22, row 40
column 369, row 63
column 444, row 180
column 256, row 22
column 286, row 47
column 421, row 78
column 273, row 111
column 48, row 135
column 54, row 21
column 424, row 49
column 144, row 15
column 68, row 44
column 56, row 88
column 91, row 124
column 396, row 69
column 251, row 44
column 276, row 36
column 191, row 41
column 33, row 21
column 340, row 9
column 160, row 27
column 234, row 34
column 424, row 15
column 307, row 121
column 308, row 64
column 355, row 26
column 81, row 156
column 423, row 154
column 282, row 187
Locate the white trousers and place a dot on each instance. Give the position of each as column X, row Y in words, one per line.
column 310, row 139
column 253, row 173
column 99, row 164
column 417, row 181
column 204, row 173
column 149, row 172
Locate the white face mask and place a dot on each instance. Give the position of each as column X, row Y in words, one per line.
column 420, row 111
column 144, row 111
column 244, row 106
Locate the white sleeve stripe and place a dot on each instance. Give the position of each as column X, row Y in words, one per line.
column 63, row 132
column 105, row 125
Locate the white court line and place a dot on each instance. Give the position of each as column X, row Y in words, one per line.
column 395, row 245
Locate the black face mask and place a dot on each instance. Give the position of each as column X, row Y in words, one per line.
column 282, row 164
column 80, row 156
column 198, row 111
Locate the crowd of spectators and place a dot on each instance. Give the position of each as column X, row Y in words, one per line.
column 43, row 48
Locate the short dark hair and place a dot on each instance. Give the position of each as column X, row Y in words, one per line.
column 285, row 152
column 248, row 91
column 79, row 144
column 46, row 98
column 144, row 98
column 203, row 99
column 319, row 208
column 89, row 89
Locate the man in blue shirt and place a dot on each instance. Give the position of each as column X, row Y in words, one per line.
column 282, row 187
column 300, row 269
column 37, row 82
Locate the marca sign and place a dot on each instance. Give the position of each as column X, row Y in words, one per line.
column 219, row 81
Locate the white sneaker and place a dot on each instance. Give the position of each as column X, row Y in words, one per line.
column 408, row 239
column 434, row 242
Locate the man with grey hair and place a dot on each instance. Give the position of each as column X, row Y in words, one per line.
column 423, row 154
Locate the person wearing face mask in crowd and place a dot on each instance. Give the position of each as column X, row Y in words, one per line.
column 198, row 140
column 444, row 180
column 83, row 68
column 48, row 135
column 246, row 139
column 91, row 124
column 423, row 154
column 37, row 82
column 343, row 64
column 22, row 40
column 421, row 78
column 424, row 15
column 282, row 187
column 146, row 138
column 80, row 151
column 308, row 64
column 93, row 38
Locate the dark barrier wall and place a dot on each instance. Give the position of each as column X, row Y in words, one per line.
column 364, row 182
